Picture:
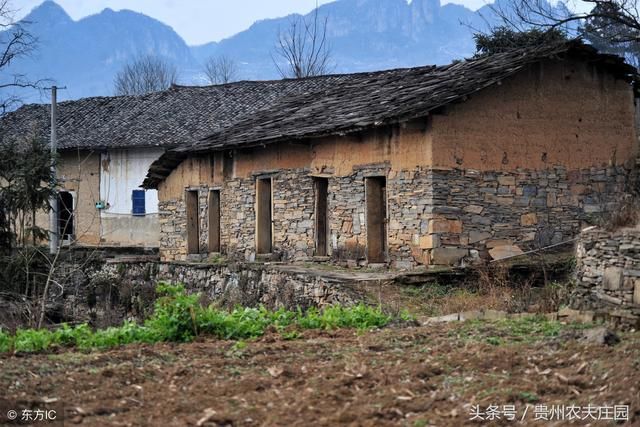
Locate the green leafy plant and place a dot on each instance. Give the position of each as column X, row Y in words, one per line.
column 179, row 317
column 494, row 341
column 174, row 317
column 30, row 340
column 290, row 335
column 6, row 342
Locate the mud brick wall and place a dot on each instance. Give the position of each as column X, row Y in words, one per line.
column 608, row 273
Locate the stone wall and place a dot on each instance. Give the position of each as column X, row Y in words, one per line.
column 347, row 213
column 237, row 205
column 293, row 214
column 173, row 229
column 473, row 211
column 120, row 290
column 443, row 217
column 608, row 274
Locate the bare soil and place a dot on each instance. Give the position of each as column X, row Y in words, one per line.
column 406, row 376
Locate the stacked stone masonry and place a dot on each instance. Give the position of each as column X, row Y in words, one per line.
column 434, row 216
column 608, row 274
column 94, row 298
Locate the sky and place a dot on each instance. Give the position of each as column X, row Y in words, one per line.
column 198, row 21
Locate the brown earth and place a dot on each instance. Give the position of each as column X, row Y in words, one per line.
column 407, row 376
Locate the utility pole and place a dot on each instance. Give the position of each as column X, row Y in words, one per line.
column 53, row 202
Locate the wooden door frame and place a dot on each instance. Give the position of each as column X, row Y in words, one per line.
column 318, row 243
column 218, row 226
column 258, row 211
column 385, row 231
column 190, row 242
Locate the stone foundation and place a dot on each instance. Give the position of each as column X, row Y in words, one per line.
column 122, row 290
column 433, row 216
column 608, row 274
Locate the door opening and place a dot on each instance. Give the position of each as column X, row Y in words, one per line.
column 376, row 202
column 193, row 219
column 322, row 219
column 263, row 216
column 214, row 221
column 66, row 226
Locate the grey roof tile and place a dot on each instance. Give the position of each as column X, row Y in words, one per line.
column 179, row 115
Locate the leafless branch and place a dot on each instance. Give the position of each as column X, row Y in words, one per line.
column 303, row 47
column 221, row 70
column 619, row 18
column 15, row 42
column 145, row 74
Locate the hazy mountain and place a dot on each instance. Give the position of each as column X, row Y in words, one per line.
column 85, row 55
column 364, row 35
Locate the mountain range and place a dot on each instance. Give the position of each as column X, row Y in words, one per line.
column 86, row 54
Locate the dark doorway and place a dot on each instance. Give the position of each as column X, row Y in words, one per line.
column 376, row 219
column 65, row 216
column 263, row 215
column 193, row 229
column 322, row 226
column 214, row 221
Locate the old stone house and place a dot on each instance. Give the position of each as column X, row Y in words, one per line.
column 106, row 145
column 428, row 165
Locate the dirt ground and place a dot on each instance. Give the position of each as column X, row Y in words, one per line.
column 406, row 376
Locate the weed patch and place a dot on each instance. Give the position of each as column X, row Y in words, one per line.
column 178, row 317
column 525, row 329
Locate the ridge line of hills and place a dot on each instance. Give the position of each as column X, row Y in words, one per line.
column 365, row 35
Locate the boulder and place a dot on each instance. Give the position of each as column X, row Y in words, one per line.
column 506, row 251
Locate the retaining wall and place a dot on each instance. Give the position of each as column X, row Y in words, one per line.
column 608, row 274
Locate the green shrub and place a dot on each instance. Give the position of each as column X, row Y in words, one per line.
column 80, row 336
column 29, row 340
column 247, row 323
column 129, row 332
column 174, row 316
column 360, row 317
column 6, row 342
column 312, row 319
column 281, row 318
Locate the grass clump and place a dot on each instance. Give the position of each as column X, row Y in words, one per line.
column 359, row 316
column 179, row 317
column 524, row 329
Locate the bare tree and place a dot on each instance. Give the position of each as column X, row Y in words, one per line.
column 614, row 22
column 145, row 74
column 220, row 70
column 303, row 47
column 15, row 42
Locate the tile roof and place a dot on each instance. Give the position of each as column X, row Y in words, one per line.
column 358, row 101
column 203, row 119
column 179, row 115
column 375, row 99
